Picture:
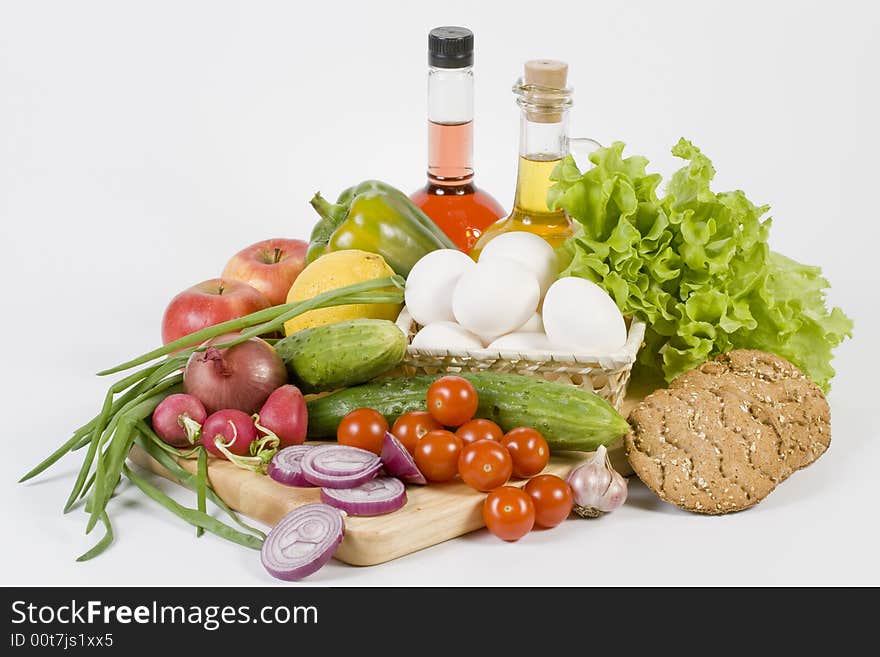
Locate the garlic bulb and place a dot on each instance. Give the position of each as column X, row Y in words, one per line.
column 598, row 488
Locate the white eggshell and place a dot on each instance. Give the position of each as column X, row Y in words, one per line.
column 430, row 284
column 534, row 324
column 528, row 249
column 495, row 297
column 522, row 342
column 488, row 338
column 580, row 316
column 446, row 335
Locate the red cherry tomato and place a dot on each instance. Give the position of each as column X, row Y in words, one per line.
column 364, row 428
column 485, row 465
column 528, row 449
column 509, row 513
column 452, row 400
column 479, row 429
column 411, row 427
column 437, row 455
column 552, row 498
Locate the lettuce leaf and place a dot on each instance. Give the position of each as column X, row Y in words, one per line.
column 694, row 264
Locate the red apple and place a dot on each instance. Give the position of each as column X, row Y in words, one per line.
column 209, row 303
column 271, row 266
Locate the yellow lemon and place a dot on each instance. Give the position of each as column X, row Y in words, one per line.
column 332, row 271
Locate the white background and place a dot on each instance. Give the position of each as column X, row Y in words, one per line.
column 142, row 144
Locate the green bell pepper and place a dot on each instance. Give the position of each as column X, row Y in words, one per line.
column 378, row 218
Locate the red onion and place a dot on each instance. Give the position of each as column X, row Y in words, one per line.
column 373, row 498
column 339, row 466
column 178, row 420
column 286, row 466
column 285, row 415
column 342, row 460
column 399, row 462
column 303, row 541
column 240, row 377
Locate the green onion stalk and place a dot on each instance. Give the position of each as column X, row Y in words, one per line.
column 121, row 421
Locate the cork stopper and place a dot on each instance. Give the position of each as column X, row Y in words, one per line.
column 550, row 77
column 546, row 73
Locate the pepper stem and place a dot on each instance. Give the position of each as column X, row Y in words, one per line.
column 330, row 212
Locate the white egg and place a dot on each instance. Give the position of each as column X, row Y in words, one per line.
column 488, row 338
column 495, row 297
column 527, row 248
column 534, row 324
column 580, row 316
column 524, row 342
column 430, row 284
column 446, row 335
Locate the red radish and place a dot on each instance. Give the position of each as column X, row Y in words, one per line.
column 399, row 462
column 286, row 466
column 285, row 415
column 303, row 541
column 229, row 430
column 339, row 466
column 241, row 377
column 178, row 419
column 372, row 498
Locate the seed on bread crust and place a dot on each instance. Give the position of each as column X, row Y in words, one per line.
column 725, row 434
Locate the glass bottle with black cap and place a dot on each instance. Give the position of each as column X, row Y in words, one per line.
column 451, row 198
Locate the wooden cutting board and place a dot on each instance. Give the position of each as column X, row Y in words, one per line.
column 432, row 514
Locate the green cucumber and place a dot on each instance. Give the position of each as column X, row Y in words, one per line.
column 569, row 418
column 342, row 354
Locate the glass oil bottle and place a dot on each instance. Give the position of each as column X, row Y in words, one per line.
column 544, row 100
column 451, row 199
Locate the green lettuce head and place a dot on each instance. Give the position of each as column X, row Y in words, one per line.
column 694, row 265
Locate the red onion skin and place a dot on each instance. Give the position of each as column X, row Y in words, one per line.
column 299, row 526
column 167, row 421
column 399, row 462
column 237, row 440
column 239, row 377
column 285, row 415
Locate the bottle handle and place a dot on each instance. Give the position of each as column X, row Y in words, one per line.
column 580, row 148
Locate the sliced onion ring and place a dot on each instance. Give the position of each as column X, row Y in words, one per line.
column 373, row 498
column 303, row 541
column 342, row 460
column 286, row 468
column 339, row 466
column 399, row 462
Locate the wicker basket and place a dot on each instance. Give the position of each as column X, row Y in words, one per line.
column 606, row 375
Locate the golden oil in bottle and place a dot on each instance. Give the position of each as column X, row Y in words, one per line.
column 530, row 211
column 544, row 100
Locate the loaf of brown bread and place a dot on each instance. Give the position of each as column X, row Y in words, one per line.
column 725, row 434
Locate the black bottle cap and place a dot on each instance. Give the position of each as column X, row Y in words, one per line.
column 450, row 47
